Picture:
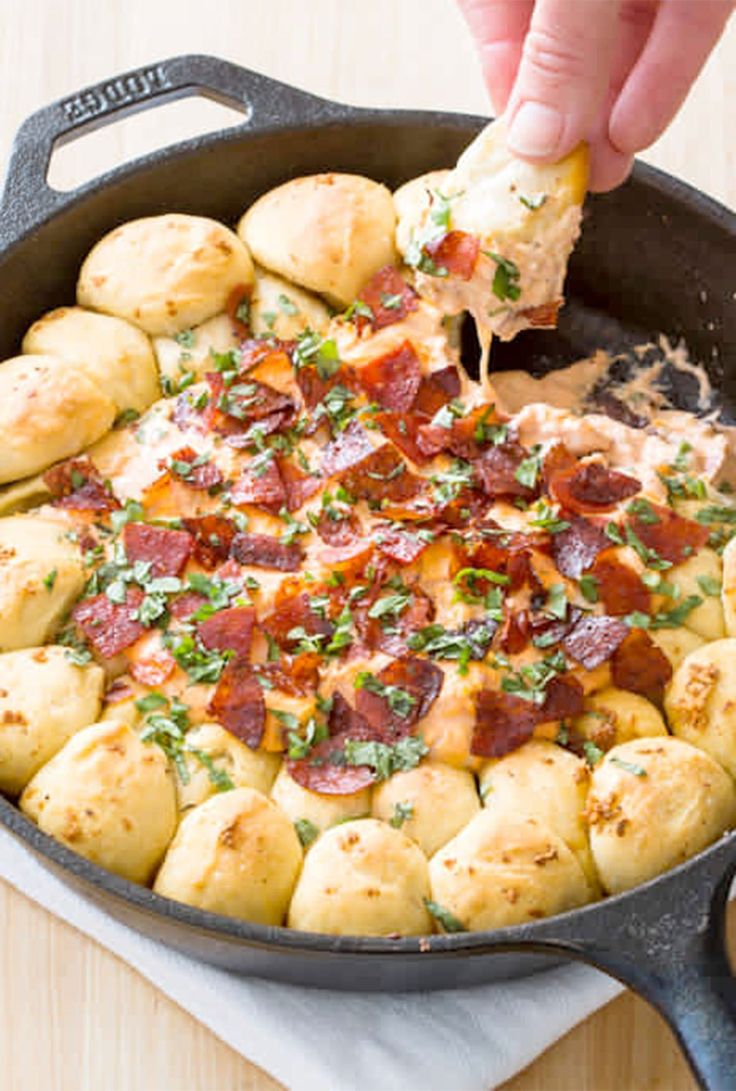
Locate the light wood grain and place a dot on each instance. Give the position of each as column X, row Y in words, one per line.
column 72, row 1016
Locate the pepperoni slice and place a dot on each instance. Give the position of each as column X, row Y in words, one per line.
column 262, row 487
column 341, row 531
column 619, row 587
column 238, row 705
column 593, row 640
column 382, row 476
column 389, row 297
column 414, row 685
column 110, row 627
column 183, row 606
column 229, row 630
column 77, row 484
column 497, row 468
column 240, row 294
column 393, row 640
column 574, row 550
column 167, row 551
column 640, row 666
column 295, row 612
column 403, row 431
column 324, row 769
column 671, row 537
column 399, row 545
column 456, row 253
column 213, row 535
column 185, row 465
column 437, row 389
column 592, row 487
column 298, row 484
column 393, row 379
column 155, row 669
column 346, row 720
column 264, row 551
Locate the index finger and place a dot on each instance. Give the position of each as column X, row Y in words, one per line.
column 498, row 28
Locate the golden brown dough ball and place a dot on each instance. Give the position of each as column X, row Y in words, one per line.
column 108, row 796
column 164, row 273
column 613, row 716
column 363, row 878
column 41, row 575
column 541, row 780
column 50, row 409
column 23, row 495
column 191, row 351
column 281, row 309
column 729, row 588
column 502, row 869
column 429, row 803
column 327, row 232
column 319, row 810
column 653, row 804
column 237, row 854
column 700, row 701
column 701, row 575
column 230, row 760
column 44, row 699
column 117, row 357
column 676, row 643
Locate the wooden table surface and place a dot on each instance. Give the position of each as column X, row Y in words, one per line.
column 72, row 1016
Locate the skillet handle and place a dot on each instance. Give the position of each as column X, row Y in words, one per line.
column 262, row 101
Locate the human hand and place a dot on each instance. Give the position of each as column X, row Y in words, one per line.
column 612, row 72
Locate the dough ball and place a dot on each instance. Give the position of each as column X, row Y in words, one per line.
column 41, row 575
column 191, row 351
column 676, row 643
column 654, row 803
column 50, row 409
column 540, row 780
column 44, row 699
column 412, row 200
column 430, row 804
column 23, row 495
column 164, row 273
column 108, row 796
column 729, row 588
column 363, row 878
column 282, row 310
column 117, row 356
column 700, row 701
column 701, row 575
column 320, row 811
column 230, row 761
column 503, row 869
column 327, row 232
column 613, row 716
column 237, row 854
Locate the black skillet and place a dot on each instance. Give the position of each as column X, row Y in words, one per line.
column 655, row 256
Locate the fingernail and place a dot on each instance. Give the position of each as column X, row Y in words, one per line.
column 536, row 130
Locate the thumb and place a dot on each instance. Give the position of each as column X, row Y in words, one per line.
column 563, row 76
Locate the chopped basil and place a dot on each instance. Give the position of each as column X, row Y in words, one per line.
column 386, row 759
column 709, row 585
column 318, row 351
column 528, row 470
column 530, row 681
column 185, row 338
column 643, row 510
column 716, row 513
column 286, row 305
column 300, row 745
column 448, row 920
column 546, row 518
column 50, row 578
column 533, row 201
column 506, row 278
column 593, row 753
column 403, row 812
column 589, row 588
column 399, row 700
column 556, row 605
column 306, row 831
column 629, row 766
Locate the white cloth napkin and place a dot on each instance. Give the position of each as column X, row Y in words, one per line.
column 310, row 1040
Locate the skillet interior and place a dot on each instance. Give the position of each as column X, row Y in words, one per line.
column 654, row 258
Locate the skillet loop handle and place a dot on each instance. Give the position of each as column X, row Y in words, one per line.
column 28, row 198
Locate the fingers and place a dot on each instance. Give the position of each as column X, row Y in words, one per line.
column 499, row 28
column 563, row 76
column 683, row 34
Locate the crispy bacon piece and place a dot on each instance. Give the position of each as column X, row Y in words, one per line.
column 264, row 551
column 339, row 532
column 393, row 379
column 238, row 705
column 497, row 468
column 349, row 448
column 593, row 640
column 543, row 315
column 403, row 431
column 77, row 484
column 516, row 632
column 213, row 535
column 640, row 666
column 673, row 537
column 402, row 546
column 240, row 294
column 619, row 587
column 349, row 560
column 505, row 722
column 206, row 475
column 574, row 550
column 155, row 669
column 389, row 297
column 314, row 388
column 437, row 389
column 506, row 552
column 298, row 484
column 346, row 720
column 383, row 475
column 110, row 627
column 456, row 253
column 229, row 630
column 188, row 415
column 556, row 461
column 466, row 436
column 167, row 551
column 236, row 408
column 295, row 612
column 262, row 487
column 393, row 641
column 420, row 679
column 591, row 487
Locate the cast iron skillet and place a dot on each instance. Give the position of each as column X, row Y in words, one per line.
column 655, row 256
